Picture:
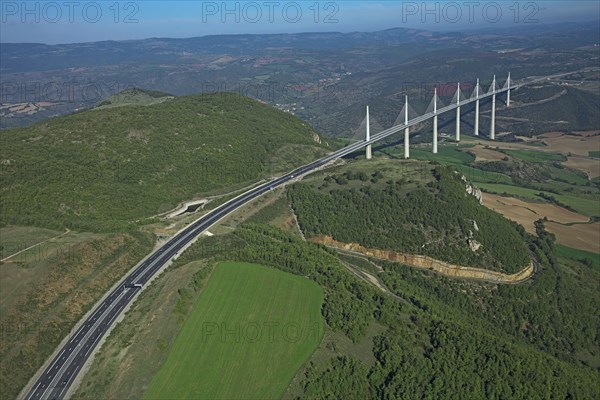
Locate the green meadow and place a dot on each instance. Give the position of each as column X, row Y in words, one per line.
column 589, row 258
column 248, row 334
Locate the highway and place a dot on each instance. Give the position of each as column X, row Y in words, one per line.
column 54, row 381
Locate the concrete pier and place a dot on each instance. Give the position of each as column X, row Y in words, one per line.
column 406, row 131
column 477, row 108
column 435, row 122
column 458, row 113
column 493, row 122
column 368, row 137
column 508, row 91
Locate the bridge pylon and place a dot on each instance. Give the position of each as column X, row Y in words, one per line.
column 368, row 154
column 458, row 112
column 508, row 91
column 435, row 122
column 493, row 122
column 406, row 130
column 476, row 129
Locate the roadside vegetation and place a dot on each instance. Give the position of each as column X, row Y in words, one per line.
column 46, row 290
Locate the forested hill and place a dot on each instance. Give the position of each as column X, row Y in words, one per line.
column 437, row 219
column 439, row 338
column 103, row 168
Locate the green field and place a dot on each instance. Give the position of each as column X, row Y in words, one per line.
column 17, row 238
column 535, row 156
column 565, row 175
column 562, row 179
column 248, row 334
column 461, row 160
column 579, row 255
column 584, row 205
column 450, row 155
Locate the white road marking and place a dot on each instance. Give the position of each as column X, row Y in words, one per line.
column 55, row 361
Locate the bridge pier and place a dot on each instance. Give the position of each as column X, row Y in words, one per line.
column 406, row 131
column 493, row 123
column 435, row 122
column 508, row 91
column 368, row 137
column 458, row 112
column 477, row 108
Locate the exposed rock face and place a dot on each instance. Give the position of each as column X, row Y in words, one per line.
column 474, row 245
column 317, row 138
column 472, row 190
column 429, row 263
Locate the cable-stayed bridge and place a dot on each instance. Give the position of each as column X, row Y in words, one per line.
column 433, row 111
column 456, row 105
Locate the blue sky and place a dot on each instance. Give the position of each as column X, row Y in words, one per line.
column 83, row 21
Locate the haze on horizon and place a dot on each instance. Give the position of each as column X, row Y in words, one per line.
column 55, row 22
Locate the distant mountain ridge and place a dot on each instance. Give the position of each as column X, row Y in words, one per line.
column 43, row 56
column 326, row 79
column 163, row 49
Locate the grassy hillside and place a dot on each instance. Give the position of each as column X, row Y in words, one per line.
column 429, row 214
column 101, row 169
